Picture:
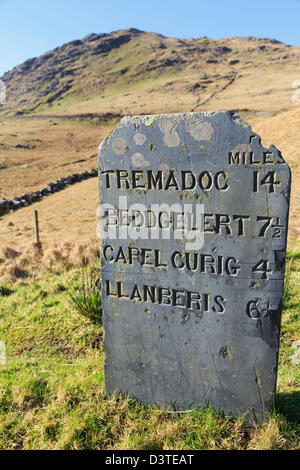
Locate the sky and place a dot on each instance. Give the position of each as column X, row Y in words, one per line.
column 28, row 28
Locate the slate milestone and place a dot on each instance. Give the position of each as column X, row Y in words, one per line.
column 185, row 327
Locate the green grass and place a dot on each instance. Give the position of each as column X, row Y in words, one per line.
column 52, row 387
column 86, row 299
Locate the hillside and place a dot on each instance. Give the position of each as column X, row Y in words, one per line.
column 62, row 104
column 132, row 72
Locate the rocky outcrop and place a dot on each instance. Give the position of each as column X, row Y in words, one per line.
column 48, row 78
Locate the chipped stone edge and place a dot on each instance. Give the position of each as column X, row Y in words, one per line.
column 149, row 119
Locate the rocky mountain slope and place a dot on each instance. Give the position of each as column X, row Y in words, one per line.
column 131, row 71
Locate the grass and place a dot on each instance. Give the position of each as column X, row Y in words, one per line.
column 58, row 148
column 86, row 300
column 52, row 386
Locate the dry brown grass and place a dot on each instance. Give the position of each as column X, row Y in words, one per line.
column 67, row 222
column 9, row 253
column 267, row 437
column 51, row 257
column 55, row 155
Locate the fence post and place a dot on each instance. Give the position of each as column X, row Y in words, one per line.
column 37, row 233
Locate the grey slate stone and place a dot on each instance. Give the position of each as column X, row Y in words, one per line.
column 223, row 349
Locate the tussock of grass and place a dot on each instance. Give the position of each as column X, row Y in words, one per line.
column 56, row 257
column 86, row 299
column 52, row 387
column 9, row 253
